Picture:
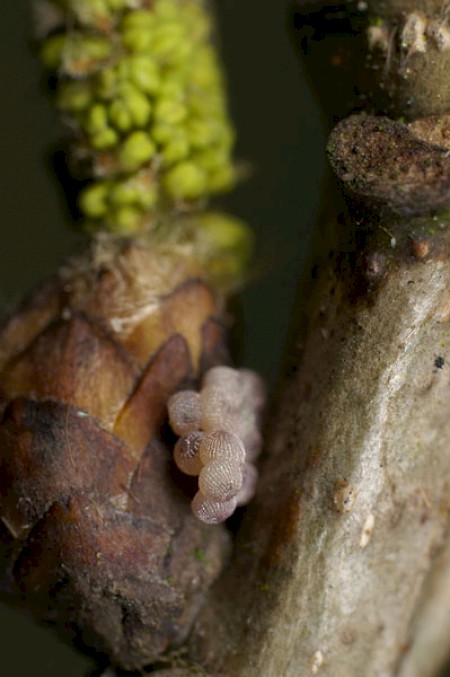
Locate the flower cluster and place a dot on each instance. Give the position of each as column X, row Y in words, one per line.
column 142, row 88
column 220, row 437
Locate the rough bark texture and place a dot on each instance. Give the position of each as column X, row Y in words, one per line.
column 341, row 565
column 345, row 548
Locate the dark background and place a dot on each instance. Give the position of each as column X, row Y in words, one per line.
column 279, row 135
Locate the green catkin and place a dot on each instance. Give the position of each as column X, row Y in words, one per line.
column 141, row 86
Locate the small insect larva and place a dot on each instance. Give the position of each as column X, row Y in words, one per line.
column 220, row 480
column 248, row 488
column 221, row 445
column 186, row 453
column 184, row 411
column 212, row 512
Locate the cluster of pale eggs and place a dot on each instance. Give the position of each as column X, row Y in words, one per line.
column 220, row 437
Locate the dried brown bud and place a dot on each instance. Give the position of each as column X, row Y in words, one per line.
column 389, row 164
column 96, row 535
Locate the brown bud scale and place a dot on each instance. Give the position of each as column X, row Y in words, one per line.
column 96, row 530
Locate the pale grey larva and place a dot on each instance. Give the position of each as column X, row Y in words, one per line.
column 184, row 411
column 248, row 488
column 220, row 480
column 212, row 512
column 222, row 445
column 218, row 407
column 186, row 453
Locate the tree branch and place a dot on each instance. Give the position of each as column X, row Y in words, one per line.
column 341, row 564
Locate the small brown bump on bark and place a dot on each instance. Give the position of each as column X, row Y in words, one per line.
column 374, row 266
column 420, row 248
column 434, row 129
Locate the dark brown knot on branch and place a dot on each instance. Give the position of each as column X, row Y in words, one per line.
column 399, row 167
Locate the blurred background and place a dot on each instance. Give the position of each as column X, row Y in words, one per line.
column 279, row 136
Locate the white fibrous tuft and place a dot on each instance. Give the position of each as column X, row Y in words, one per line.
column 212, row 512
column 184, row 411
column 221, row 445
column 220, row 439
column 186, row 453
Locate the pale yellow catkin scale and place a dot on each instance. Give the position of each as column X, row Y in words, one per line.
column 184, row 412
column 220, row 480
column 248, row 488
column 221, row 445
column 212, row 512
column 186, row 453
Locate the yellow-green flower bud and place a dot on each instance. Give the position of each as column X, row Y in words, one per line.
column 174, row 85
column 105, row 139
column 137, row 31
column 52, row 51
column 144, row 73
column 198, row 21
column 204, row 70
column 165, row 9
column 131, row 109
column 228, row 244
column 170, row 111
column 201, row 132
column 133, row 192
column 142, row 87
column 117, row 5
column 120, row 116
column 96, row 119
column 162, row 132
column 93, row 200
column 138, row 18
column 175, row 150
column 185, row 181
column 205, row 106
column 75, row 96
column 212, row 159
column 106, row 83
column 222, row 179
column 170, row 43
column 135, row 151
column 125, row 220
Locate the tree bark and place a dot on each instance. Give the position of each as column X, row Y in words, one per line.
column 342, row 563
